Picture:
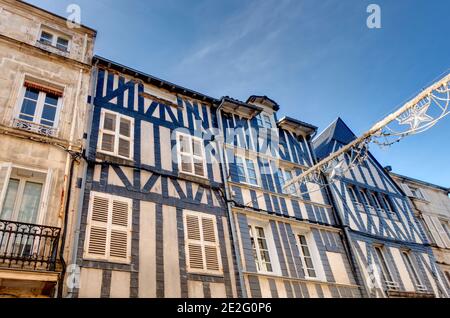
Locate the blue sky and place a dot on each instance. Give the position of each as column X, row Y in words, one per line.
column 317, row 59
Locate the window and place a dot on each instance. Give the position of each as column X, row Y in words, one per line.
column 51, row 38
column 260, row 249
column 412, row 271
column 246, row 170
column 108, row 235
column 23, row 196
column 364, row 197
column 284, row 176
column 191, row 155
column 447, row 274
column 116, row 135
column 384, row 267
column 446, row 227
column 352, row 193
column 39, row 104
column 263, row 120
column 389, row 207
column 417, row 193
column 202, row 243
column 305, row 256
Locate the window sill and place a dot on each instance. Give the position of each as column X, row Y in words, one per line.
column 34, row 127
column 194, row 178
column 52, row 49
column 113, row 158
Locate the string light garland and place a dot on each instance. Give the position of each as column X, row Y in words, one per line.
column 419, row 115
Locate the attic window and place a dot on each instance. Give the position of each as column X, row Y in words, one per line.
column 264, row 121
column 51, row 38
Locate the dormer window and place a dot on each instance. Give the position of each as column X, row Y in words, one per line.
column 264, row 121
column 59, row 41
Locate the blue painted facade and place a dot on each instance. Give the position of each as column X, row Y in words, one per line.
column 379, row 217
column 160, row 195
column 260, row 204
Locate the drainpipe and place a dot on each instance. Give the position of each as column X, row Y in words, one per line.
column 348, row 245
column 68, row 172
column 77, row 223
column 237, row 253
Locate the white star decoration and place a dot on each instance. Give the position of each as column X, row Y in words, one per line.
column 336, row 170
column 416, row 117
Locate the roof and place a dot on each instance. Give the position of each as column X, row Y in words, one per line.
column 239, row 107
column 425, row 183
column 296, row 125
column 153, row 80
column 264, row 100
column 338, row 131
column 55, row 15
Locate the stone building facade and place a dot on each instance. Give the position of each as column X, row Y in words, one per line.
column 388, row 241
column 44, row 82
column 431, row 204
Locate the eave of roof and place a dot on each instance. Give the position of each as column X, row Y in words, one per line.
column 297, row 125
column 239, row 107
column 420, row 182
column 274, row 105
column 153, row 80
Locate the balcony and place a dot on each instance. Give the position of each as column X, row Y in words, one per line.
column 33, row 127
column 28, row 247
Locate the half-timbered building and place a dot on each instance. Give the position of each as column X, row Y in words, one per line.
column 387, row 241
column 154, row 221
column 290, row 244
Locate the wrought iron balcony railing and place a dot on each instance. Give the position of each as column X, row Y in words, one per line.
column 33, row 127
column 28, row 246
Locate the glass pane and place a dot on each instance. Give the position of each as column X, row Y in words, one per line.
column 125, row 127
column 197, row 146
column 28, row 108
column 51, row 99
column 32, row 93
column 110, row 122
column 260, row 232
column 62, row 44
column 46, row 37
column 30, row 202
column 186, row 163
column 48, row 114
column 199, row 168
column 108, row 142
column 184, row 144
column 10, row 199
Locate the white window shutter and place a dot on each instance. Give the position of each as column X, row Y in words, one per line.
column 46, row 196
column 441, row 231
column 194, row 246
column 209, row 236
column 202, row 245
column 407, row 190
column 5, row 173
column 120, row 230
column 98, row 230
column 430, row 224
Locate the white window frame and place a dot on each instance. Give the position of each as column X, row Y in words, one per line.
column 412, row 271
column 39, row 106
column 109, row 227
column 264, row 120
column 116, row 133
column 386, row 272
column 191, row 155
column 284, row 179
column 246, row 174
column 55, row 37
column 312, row 251
column 270, row 247
column 46, row 184
column 202, row 243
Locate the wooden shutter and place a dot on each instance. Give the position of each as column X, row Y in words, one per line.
column 430, row 224
column 5, row 172
column 98, row 231
column 109, row 229
column 202, row 246
column 124, row 143
column 407, row 190
column 441, row 231
column 119, row 230
column 211, row 246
